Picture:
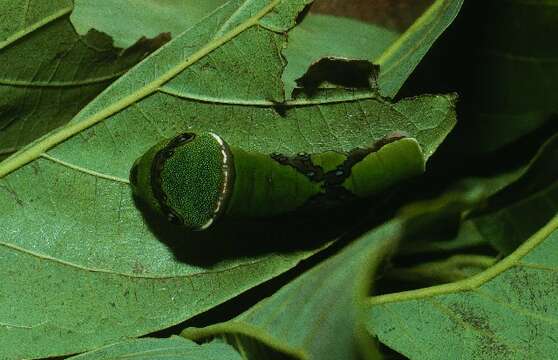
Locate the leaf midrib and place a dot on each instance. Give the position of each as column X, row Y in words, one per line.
column 342, row 98
column 46, row 257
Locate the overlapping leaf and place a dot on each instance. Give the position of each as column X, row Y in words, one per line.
column 316, row 316
column 500, row 313
column 506, row 312
column 515, row 93
column 451, row 269
column 127, row 21
column 396, row 55
column 49, row 72
column 402, row 57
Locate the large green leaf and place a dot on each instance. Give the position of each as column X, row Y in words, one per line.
column 191, row 59
column 71, row 230
column 505, row 312
column 317, row 315
column 173, row 348
column 48, row 72
column 127, row 21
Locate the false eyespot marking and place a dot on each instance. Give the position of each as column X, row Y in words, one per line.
column 196, row 178
column 187, row 179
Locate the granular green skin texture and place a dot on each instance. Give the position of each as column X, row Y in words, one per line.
column 193, row 179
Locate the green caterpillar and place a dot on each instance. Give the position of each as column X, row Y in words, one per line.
column 194, row 179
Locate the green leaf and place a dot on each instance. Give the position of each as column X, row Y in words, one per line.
column 400, row 59
column 130, row 20
column 506, row 312
column 48, row 72
column 71, row 230
column 173, row 348
column 442, row 225
column 316, row 316
column 190, row 59
column 99, row 275
column 320, row 36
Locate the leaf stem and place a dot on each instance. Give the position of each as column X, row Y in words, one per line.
column 476, row 281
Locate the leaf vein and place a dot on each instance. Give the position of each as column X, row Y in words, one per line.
column 20, row 34
column 85, row 170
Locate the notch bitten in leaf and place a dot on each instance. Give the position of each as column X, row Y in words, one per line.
column 346, row 73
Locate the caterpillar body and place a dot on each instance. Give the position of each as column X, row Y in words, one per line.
column 194, row 179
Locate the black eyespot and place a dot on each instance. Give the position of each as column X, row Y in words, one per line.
column 134, row 175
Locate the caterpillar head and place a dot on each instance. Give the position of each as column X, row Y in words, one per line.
column 187, row 178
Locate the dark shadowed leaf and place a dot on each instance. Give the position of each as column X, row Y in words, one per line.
column 517, row 211
column 503, row 62
column 515, row 89
column 501, row 210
